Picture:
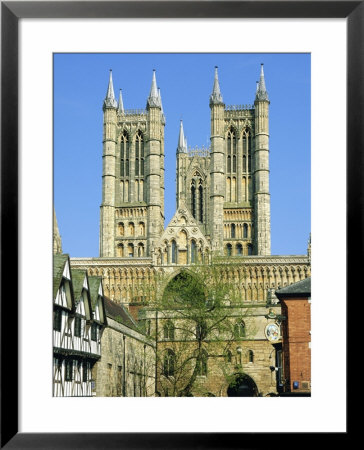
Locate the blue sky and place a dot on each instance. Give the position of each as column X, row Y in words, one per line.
column 185, row 80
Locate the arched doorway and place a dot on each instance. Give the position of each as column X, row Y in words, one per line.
column 242, row 386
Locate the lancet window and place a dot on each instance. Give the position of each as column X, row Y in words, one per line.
column 139, row 154
column 239, row 329
column 245, row 231
column 174, row 251
column 233, row 230
column 197, row 199
column 231, row 151
column 193, row 198
column 124, row 155
column 193, row 251
column 200, row 191
column 247, row 144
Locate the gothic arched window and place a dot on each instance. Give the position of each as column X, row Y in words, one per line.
column 193, row 251
column 229, row 249
column 245, row 231
column 231, row 151
column 140, row 250
column 130, row 250
column 239, row 330
column 247, row 143
column 228, row 356
column 239, row 249
column 120, row 250
column 121, row 228
column 200, row 191
column 139, row 154
column 174, row 251
column 193, row 199
column 250, row 249
column 233, row 230
column 124, row 153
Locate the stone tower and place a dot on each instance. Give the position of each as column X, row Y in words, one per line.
column 261, row 169
column 239, row 175
column 132, row 209
column 193, row 180
column 226, row 187
column 217, row 167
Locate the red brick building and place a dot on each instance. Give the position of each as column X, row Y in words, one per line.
column 296, row 334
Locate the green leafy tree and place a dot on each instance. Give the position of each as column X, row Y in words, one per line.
column 197, row 317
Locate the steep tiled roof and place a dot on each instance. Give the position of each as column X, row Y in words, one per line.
column 78, row 277
column 94, row 285
column 300, row 289
column 59, row 262
column 120, row 314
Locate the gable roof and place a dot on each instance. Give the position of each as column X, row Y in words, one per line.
column 59, row 262
column 183, row 220
column 94, row 286
column 300, row 289
column 120, row 314
column 78, row 278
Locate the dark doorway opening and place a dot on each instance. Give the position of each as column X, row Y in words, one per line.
column 242, row 386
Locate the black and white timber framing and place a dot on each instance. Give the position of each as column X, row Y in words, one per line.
column 78, row 322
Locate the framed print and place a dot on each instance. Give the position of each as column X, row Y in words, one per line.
column 35, row 35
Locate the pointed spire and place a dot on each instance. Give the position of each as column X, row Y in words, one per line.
column 154, row 99
column 110, row 101
column 160, row 101
column 182, row 143
column 216, row 96
column 121, row 104
column 261, row 93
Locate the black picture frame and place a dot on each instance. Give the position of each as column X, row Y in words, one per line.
column 11, row 12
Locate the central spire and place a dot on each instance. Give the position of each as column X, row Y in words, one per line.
column 216, row 96
column 182, row 143
column 154, row 100
column 110, row 101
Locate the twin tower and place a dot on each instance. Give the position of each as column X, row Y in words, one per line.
column 223, row 199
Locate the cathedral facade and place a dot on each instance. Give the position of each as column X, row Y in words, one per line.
column 224, row 189
column 222, row 218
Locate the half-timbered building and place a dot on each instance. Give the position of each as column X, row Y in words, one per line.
column 78, row 321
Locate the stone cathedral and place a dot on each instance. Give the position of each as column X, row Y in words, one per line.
column 222, row 212
column 223, row 190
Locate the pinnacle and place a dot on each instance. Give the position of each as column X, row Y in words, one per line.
column 216, row 96
column 261, row 93
column 154, row 99
column 110, row 101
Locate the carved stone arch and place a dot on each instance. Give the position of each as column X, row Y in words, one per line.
column 231, row 126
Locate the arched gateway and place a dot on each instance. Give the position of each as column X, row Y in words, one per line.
column 242, row 386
